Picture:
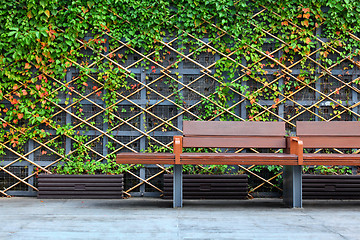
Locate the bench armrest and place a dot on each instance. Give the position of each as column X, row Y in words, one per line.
column 178, row 145
column 295, row 146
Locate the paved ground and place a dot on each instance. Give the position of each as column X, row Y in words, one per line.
column 144, row 218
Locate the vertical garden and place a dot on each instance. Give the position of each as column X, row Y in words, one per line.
column 81, row 81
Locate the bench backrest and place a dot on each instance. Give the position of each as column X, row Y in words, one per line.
column 230, row 134
column 337, row 134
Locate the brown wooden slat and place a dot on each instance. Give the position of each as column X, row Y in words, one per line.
column 87, row 188
column 235, row 142
column 321, row 156
column 212, row 181
column 169, row 184
column 323, row 189
column 60, row 196
column 93, row 184
column 81, row 192
column 334, row 128
column 235, row 177
column 239, row 197
column 231, row 128
column 340, row 178
column 242, row 162
column 335, row 193
column 236, row 159
column 209, row 186
column 331, row 197
column 330, row 142
column 80, row 180
column 331, row 162
column 218, row 189
column 330, row 181
column 338, row 185
column 80, row 176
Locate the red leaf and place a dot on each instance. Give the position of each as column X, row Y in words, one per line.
column 20, row 116
column 4, row 125
column 306, row 23
column 307, row 15
column 43, row 152
column 24, row 92
column 38, row 87
column 15, row 87
column 27, row 66
column 85, row 84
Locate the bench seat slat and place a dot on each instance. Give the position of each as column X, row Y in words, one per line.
column 231, row 128
column 331, row 159
column 145, row 158
column 335, row 128
column 239, row 158
column 330, row 142
column 235, row 142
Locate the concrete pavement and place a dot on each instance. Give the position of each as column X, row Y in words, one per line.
column 150, row 218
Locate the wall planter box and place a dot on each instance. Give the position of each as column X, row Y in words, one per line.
column 80, row 186
column 209, row 186
column 331, row 186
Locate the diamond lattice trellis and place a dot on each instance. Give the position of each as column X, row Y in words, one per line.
column 177, row 80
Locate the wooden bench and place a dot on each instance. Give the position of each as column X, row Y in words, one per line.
column 221, row 134
column 315, row 135
column 336, row 134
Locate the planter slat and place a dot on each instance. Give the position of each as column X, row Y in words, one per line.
column 209, row 186
column 340, row 185
column 106, row 184
column 80, row 186
column 75, row 180
column 315, row 176
column 78, row 197
column 340, row 180
column 189, row 184
column 331, row 186
column 81, row 192
column 87, row 188
column 222, row 189
column 335, row 189
column 220, row 180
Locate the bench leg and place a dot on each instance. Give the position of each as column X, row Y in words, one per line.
column 178, row 187
column 292, row 194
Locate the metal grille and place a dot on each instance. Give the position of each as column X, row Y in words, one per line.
column 180, row 85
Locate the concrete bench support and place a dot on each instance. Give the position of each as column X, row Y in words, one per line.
column 177, row 188
column 292, row 194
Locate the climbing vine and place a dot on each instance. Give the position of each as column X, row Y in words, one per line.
column 247, row 49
